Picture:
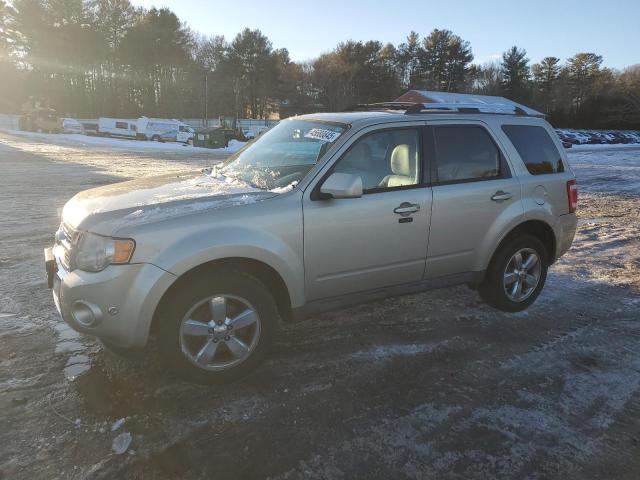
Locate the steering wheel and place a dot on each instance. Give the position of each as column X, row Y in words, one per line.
column 288, row 179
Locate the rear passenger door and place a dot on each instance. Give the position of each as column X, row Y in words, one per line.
column 475, row 196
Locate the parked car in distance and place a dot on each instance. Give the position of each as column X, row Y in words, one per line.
column 117, row 127
column 601, row 137
column 71, row 125
column 164, row 130
column 182, row 136
column 320, row 212
column 90, row 127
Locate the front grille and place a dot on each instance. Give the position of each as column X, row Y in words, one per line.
column 66, row 238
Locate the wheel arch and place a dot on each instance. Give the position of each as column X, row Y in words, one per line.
column 266, row 274
column 539, row 229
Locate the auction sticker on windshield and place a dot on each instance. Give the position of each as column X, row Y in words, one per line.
column 322, row 134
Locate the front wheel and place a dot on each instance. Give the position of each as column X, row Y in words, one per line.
column 218, row 328
column 516, row 274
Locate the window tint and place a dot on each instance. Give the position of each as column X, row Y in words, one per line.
column 535, row 147
column 387, row 159
column 465, row 152
column 124, row 125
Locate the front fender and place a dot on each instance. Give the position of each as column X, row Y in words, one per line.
column 194, row 250
column 268, row 231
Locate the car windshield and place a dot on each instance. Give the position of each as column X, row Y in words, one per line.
column 284, row 154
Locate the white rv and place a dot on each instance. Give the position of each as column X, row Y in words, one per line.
column 117, row 127
column 164, row 130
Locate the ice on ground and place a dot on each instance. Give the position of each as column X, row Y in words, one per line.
column 117, row 424
column 385, row 351
column 121, row 443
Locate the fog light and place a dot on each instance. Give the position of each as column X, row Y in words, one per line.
column 86, row 314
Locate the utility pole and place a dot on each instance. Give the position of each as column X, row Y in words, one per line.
column 205, row 120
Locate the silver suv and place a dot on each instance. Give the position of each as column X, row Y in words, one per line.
column 320, row 212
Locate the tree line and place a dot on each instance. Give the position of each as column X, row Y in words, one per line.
column 106, row 57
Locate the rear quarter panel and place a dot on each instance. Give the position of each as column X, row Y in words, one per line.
column 544, row 197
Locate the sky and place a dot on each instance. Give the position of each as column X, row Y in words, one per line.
column 542, row 27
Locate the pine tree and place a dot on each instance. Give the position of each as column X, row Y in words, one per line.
column 445, row 61
column 545, row 77
column 515, row 74
column 583, row 70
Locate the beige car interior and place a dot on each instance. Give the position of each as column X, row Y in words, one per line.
column 391, row 162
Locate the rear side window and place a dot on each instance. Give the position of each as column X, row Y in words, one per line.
column 535, row 147
column 124, row 125
column 465, row 153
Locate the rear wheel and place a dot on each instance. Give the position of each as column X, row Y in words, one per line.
column 516, row 274
column 219, row 327
column 155, row 138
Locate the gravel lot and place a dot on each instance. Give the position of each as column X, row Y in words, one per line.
column 434, row 385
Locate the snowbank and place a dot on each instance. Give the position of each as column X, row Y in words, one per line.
column 129, row 145
column 603, row 146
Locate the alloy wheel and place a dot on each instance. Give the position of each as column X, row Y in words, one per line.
column 522, row 274
column 219, row 332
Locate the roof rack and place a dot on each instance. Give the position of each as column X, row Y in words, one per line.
column 442, row 107
column 373, row 107
column 496, row 108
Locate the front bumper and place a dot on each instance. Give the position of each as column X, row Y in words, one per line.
column 116, row 305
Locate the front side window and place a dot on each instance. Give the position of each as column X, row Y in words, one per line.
column 386, row 159
column 283, row 155
column 535, row 147
column 465, row 153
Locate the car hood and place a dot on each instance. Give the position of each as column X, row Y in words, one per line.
column 106, row 209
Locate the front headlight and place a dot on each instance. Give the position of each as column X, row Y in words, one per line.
column 95, row 252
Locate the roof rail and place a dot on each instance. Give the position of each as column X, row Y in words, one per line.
column 497, row 108
column 442, row 107
column 372, row 107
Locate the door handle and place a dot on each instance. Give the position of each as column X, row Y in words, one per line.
column 501, row 196
column 406, row 208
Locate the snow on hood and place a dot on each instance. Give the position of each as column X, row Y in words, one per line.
column 154, row 198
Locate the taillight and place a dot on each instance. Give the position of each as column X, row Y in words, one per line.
column 572, row 195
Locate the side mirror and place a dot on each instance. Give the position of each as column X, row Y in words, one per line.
column 342, row 185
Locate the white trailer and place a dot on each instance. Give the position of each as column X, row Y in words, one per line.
column 117, row 127
column 164, row 130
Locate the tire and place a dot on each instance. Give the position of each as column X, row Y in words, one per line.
column 237, row 351
column 155, row 138
column 501, row 274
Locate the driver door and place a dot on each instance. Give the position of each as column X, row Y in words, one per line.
column 380, row 239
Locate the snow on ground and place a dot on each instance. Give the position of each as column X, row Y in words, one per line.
column 128, row 145
column 432, row 385
column 604, row 146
